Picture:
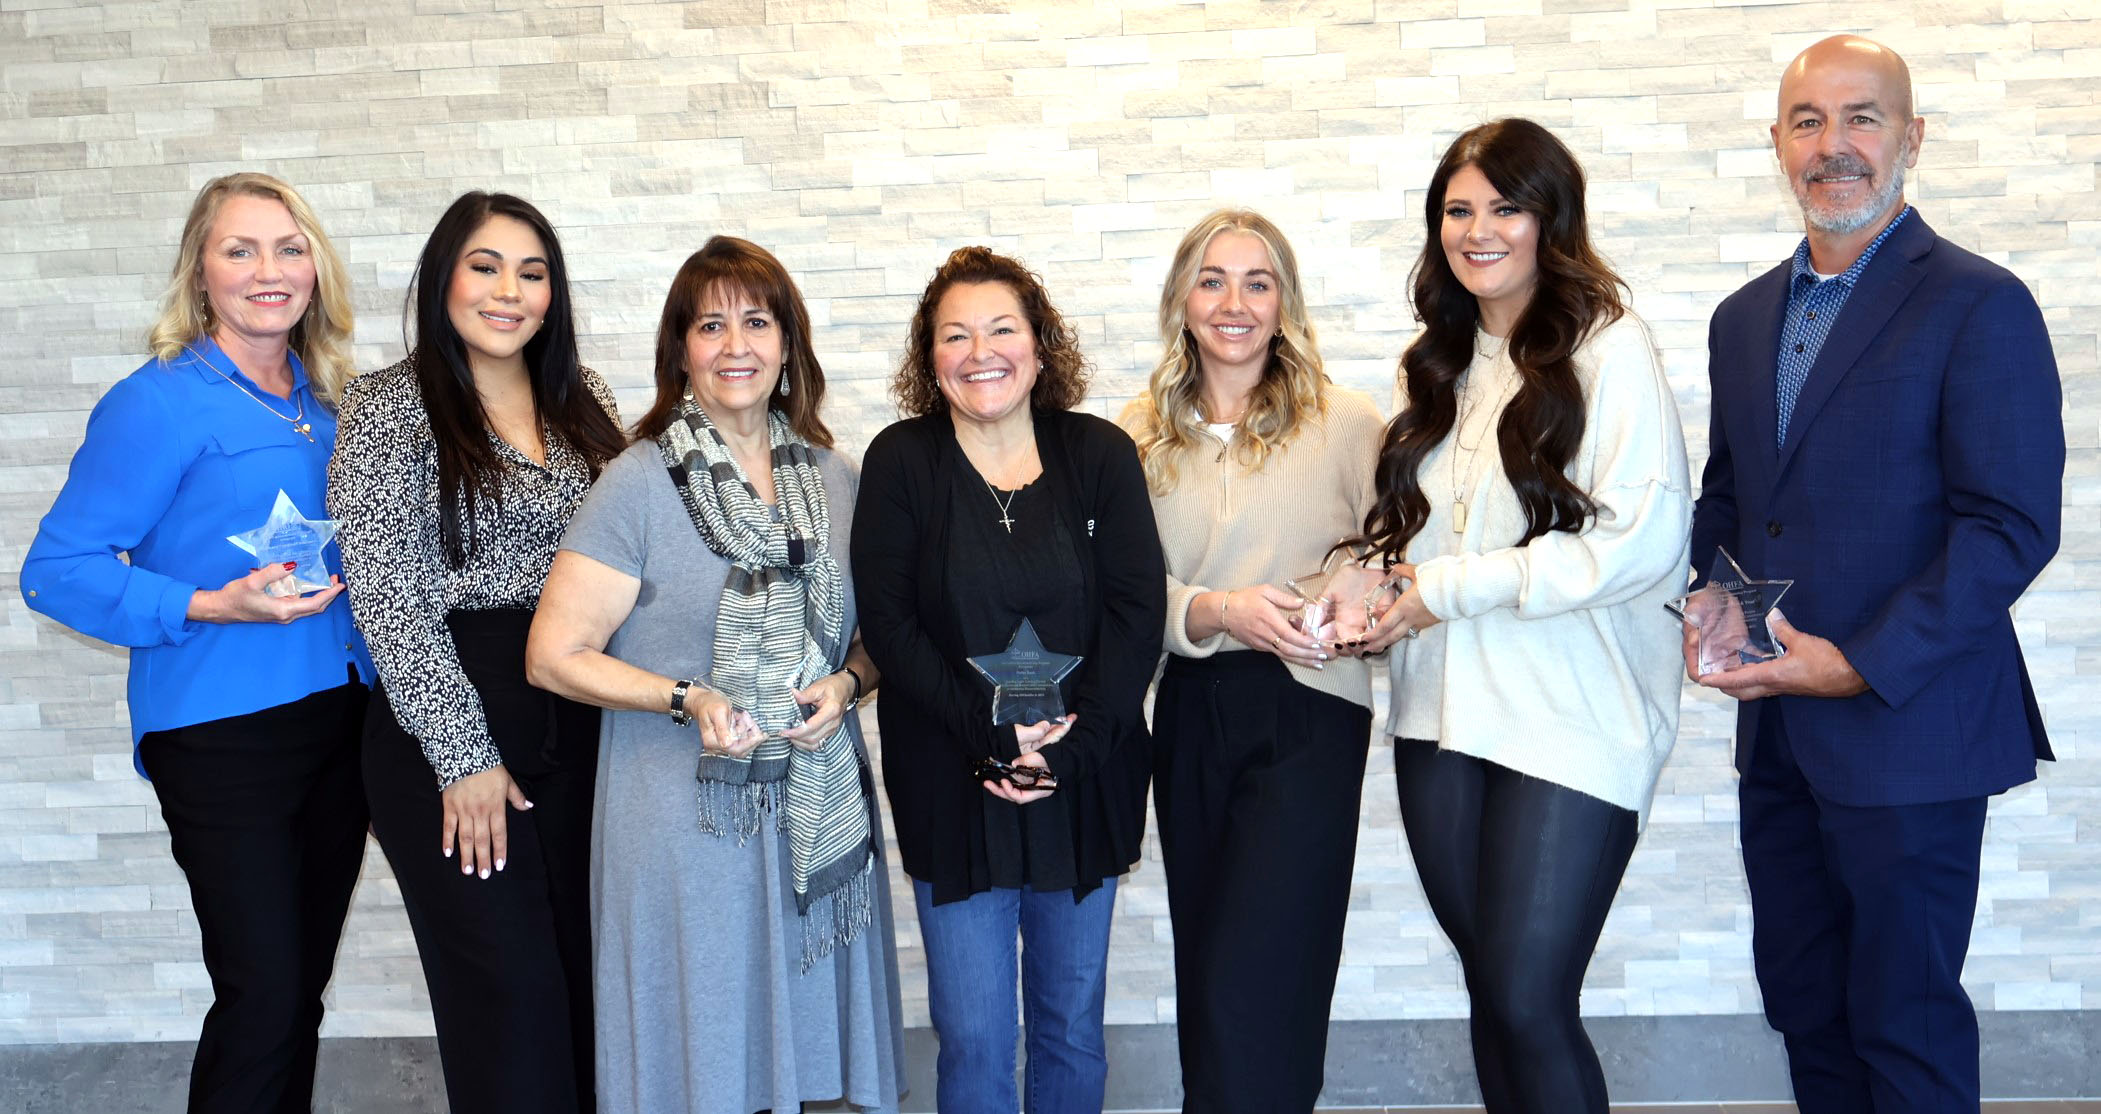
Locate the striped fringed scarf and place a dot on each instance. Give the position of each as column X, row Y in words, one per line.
column 780, row 627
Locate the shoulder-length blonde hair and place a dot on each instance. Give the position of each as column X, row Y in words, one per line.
column 1293, row 386
column 322, row 336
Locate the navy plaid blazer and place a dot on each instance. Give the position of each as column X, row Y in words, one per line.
column 1917, row 495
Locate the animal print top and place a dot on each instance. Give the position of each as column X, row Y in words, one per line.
column 383, row 488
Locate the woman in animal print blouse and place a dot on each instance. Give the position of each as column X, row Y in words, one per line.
column 454, row 476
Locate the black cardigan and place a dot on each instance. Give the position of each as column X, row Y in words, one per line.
column 936, row 712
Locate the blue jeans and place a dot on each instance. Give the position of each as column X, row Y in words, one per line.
column 970, row 962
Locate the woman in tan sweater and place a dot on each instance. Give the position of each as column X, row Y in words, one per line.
column 1257, row 465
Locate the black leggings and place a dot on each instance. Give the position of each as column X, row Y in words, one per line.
column 1520, row 874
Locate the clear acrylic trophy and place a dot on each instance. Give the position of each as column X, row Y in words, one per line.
column 1343, row 601
column 1025, row 678
column 1730, row 612
column 289, row 537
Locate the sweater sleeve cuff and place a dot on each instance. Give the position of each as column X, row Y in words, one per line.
column 1178, row 641
column 1061, row 762
column 1465, row 585
column 1004, row 746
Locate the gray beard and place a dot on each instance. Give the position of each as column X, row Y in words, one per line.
column 1833, row 220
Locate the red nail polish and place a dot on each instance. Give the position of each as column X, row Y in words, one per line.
column 290, row 565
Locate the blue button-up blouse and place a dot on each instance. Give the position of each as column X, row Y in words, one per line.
column 176, row 459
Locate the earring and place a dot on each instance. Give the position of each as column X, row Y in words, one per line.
column 784, row 380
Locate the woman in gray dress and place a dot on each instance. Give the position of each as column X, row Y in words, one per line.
column 745, row 958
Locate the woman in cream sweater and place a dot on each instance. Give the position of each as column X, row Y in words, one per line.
column 1536, row 485
column 1257, row 466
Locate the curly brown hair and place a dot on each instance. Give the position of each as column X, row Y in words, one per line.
column 1061, row 381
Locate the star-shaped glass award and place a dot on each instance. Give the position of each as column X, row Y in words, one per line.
column 289, row 537
column 1025, row 678
column 1730, row 613
column 1342, row 601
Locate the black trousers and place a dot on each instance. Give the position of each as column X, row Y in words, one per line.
column 1520, row 874
column 1257, row 780
column 267, row 820
column 507, row 959
column 1860, row 922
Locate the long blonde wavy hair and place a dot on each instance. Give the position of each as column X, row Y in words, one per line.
column 322, row 336
column 1293, row 386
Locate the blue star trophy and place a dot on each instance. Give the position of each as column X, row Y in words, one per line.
column 1343, row 601
column 1730, row 613
column 1025, row 678
column 289, row 537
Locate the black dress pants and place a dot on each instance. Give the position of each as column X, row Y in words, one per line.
column 1257, row 779
column 508, row 958
column 267, row 820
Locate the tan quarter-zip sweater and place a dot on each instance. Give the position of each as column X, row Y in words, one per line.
column 1224, row 527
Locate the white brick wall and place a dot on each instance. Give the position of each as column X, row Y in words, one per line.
column 862, row 141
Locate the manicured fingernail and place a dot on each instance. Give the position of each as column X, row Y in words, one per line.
column 499, row 866
column 466, row 867
column 448, row 852
column 290, row 565
column 528, row 804
column 485, row 872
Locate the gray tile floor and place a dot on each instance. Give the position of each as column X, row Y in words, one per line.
column 2010, row 1106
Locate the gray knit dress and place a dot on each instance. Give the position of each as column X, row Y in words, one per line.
column 702, row 1005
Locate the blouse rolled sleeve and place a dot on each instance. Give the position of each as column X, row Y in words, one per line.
column 122, row 481
column 391, row 562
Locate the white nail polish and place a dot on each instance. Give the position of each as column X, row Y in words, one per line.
column 499, row 864
column 485, row 872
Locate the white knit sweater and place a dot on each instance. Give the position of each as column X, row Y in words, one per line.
column 1556, row 658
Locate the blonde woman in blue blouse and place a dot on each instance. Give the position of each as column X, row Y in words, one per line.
column 245, row 698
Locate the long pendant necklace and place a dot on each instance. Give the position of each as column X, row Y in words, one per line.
column 299, row 426
column 1463, row 473
column 1006, row 517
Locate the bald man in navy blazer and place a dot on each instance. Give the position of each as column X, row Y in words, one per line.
column 1887, row 434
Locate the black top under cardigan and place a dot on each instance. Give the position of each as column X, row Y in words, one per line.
column 935, row 712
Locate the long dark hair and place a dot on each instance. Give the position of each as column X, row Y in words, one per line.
column 1061, row 383
column 468, row 467
column 726, row 265
column 1577, row 293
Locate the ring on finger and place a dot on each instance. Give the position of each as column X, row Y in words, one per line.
column 1411, row 632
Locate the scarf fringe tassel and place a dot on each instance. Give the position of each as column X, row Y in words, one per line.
column 840, row 904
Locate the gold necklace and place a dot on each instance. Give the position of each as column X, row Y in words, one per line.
column 1463, row 474
column 302, row 428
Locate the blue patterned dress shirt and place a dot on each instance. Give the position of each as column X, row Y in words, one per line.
column 1812, row 307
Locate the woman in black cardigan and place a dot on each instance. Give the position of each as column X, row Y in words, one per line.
column 991, row 504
